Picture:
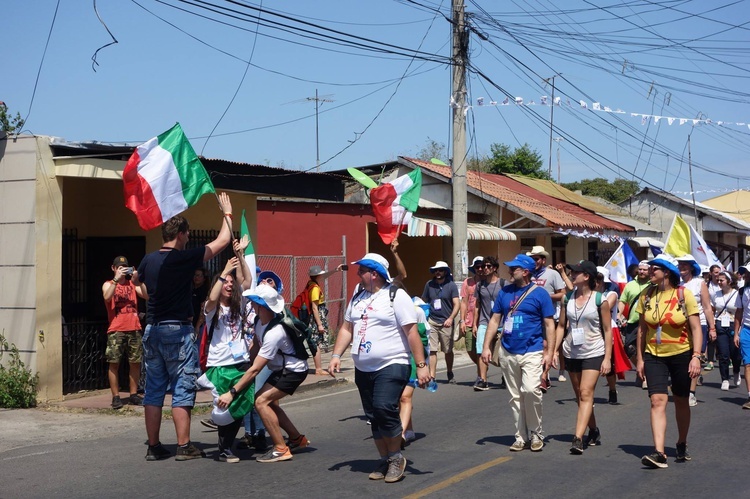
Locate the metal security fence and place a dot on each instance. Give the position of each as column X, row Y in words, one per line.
column 84, row 366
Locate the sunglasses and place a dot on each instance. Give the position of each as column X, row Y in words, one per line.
column 364, row 270
column 269, row 281
column 489, row 266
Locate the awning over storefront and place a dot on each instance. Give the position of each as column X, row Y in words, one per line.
column 424, row 227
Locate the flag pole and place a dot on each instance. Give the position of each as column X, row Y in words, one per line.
column 401, row 223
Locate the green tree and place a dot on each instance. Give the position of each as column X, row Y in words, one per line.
column 9, row 123
column 521, row 161
column 432, row 149
column 616, row 191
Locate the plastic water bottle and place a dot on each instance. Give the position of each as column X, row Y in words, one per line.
column 432, row 386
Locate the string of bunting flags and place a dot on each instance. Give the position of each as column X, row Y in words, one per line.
column 597, row 106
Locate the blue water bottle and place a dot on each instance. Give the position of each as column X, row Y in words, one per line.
column 432, row 386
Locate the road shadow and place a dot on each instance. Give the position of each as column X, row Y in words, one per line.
column 561, row 437
column 361, row 417
column 366, row 466
column 733, row 400
column 640, row 450
column 504, row 440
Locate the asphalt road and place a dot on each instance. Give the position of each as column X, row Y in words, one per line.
column 461, row 450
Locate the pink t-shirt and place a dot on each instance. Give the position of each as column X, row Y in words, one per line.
column 468, row 290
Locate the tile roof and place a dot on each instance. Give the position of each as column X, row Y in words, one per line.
column 558, row 213
column 558, row 191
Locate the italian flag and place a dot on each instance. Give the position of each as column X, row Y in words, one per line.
column 249, row 251
column 394, row 202
column 163, row 178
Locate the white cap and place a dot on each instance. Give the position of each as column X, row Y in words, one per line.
column 604, row 272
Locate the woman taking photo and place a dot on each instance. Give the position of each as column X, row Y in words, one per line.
column 724, row 303
column 668, row 347
column 586, row 336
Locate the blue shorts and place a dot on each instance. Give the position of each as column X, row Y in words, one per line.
column 171, row 359
column 745, row 344
column 481, row 332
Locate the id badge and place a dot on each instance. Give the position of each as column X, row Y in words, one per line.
column 578, row 336
column 658, row 335
column 725, row 320
column 238, row 349
column 437, row 304
column 508, row 325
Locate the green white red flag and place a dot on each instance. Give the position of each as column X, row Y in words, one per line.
column 394, row 202
column 163, row 178
column 249, row 251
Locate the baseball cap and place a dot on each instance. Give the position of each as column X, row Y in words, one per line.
column 585, row 266
column 523, row 261
column 120, row 261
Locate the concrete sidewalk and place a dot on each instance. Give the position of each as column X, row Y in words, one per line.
column 101, row 400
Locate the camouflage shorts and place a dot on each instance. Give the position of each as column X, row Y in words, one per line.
column 118, row 342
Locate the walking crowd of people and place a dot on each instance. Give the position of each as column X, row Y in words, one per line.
column 525, row 320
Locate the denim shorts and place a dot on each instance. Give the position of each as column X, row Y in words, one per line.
column 171, row 358
column 380, row 392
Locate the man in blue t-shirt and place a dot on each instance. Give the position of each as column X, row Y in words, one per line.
column 169, row 350
column 523, row 314
column 441, row 293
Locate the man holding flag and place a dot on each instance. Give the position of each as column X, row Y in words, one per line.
column 162, row 179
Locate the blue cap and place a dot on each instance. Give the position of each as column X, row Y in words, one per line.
column 523, row 261
column 267, row 274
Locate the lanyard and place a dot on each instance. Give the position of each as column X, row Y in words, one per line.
column 656, row 315
column 576, row 315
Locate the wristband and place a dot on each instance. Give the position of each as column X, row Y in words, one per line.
column 228, row 215
column 696, row 356
column 335, row 356
column 222, row 279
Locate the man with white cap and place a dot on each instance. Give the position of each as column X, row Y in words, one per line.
column 380, row 324
column 276, row 349
column 628, row 300
column 441, row 293
column 553, row 283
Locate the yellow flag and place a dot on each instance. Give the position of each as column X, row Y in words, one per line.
column 678, row 239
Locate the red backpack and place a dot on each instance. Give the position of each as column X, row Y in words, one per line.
column 301, row 307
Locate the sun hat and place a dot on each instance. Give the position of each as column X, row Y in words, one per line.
column 604, row 272
column 377, row 263
column 477, row 259
column 538, row 251
column 696, row 270
column 265, row 296
column 268, row 274
column 667, row 262
column 440, row 265
column 523, row 261
column 315, row 270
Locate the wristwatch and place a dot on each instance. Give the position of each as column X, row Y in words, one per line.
column 233, row 392
column 421, row 365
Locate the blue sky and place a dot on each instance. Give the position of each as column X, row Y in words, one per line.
column 681, row 59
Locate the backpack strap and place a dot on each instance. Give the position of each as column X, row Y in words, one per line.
column 392, row 293
column 598, row 300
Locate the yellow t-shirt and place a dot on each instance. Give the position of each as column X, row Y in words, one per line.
column 316, row 295
column 663, row 308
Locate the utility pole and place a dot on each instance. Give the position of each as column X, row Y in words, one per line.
column 317, row 100
column 458, row 165
column 551, row 120
column 558, row 140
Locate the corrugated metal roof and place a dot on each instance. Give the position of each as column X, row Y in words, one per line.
column 558, row 213
column 424, row 227
column 704, row 209
column 558, row 191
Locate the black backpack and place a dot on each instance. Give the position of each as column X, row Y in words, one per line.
column 298, row 332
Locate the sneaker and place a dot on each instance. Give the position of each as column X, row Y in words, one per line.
column 209, row 423
column 561, row 378
column 409, row 436
column 228, row 457
column 245, row 441
column 577, row 446
column 135, row 399
column 594, row 438
column 613, row 397
column 746, row 405
column 259, row 442
column 189, row 452
column 655, row 460
column 545, row 385
column 644, row 385
column 157, row 452
column 380, row 471
column 682, row 453
column 725, row 385
column 476, row 384
column 503, row 384
column 737, row 379
column 692, row 401
column 520, row 445
column 482, row 386
column 708, row 367
column 536, row 443
column 396, row 467
column 298, row 443
column 452, row 381
column 274, row 455
column 116, row 402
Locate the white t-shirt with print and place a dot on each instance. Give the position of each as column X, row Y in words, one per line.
column 226, row 331
column 743, row 302
column 273, row 344
column 377, row 327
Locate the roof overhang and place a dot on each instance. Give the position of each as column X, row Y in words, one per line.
column 426, row 227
